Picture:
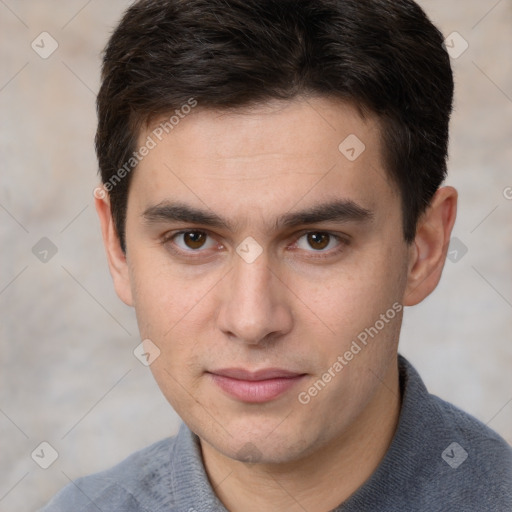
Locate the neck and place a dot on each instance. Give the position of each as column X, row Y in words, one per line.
column 319, row 482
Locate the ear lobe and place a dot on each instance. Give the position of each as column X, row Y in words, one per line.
column 430, row 246
column 115, row 256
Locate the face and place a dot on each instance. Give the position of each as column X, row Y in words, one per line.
column 267, row 264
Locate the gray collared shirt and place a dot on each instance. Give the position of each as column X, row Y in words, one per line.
column 440, row 459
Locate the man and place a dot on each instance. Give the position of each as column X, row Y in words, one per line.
column 271, row 200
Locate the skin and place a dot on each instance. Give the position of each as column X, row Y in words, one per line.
column 298, row 306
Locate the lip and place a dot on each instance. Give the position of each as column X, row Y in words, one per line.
column 257, row 386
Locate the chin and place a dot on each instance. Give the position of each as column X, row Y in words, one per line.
column 262, row 444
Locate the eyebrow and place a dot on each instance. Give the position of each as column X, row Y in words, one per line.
column 342, row 210
column 179, row 212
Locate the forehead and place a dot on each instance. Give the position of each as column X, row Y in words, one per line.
column 263, row 160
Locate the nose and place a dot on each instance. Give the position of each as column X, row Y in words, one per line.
column 254, row 307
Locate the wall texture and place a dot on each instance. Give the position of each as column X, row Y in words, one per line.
column 68, row 376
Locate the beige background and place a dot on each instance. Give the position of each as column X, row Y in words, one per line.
column 68, row 374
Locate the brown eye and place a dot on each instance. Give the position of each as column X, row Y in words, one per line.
column 194, row 239
column 318, row 241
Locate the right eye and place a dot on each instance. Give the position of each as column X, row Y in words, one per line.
column 192, row 240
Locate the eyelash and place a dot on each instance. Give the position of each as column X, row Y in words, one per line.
column 342, row 241
column 167, row 240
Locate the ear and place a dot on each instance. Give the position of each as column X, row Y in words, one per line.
column 430, row 246
column 115, row 255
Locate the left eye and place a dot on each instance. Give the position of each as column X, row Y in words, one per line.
column 193, row 240
column 318, row 241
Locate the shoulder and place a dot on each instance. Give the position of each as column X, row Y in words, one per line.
column 490, row 456
column 123, row 487
column 463, row 461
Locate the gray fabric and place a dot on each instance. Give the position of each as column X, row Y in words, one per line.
column 418, row 472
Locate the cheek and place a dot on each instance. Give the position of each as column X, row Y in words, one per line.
column 166, row 308
column 171, row 311
column 353, row 298
column 162, row 296
column 156, row 305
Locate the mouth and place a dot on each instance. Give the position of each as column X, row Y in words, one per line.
column 255, row 387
